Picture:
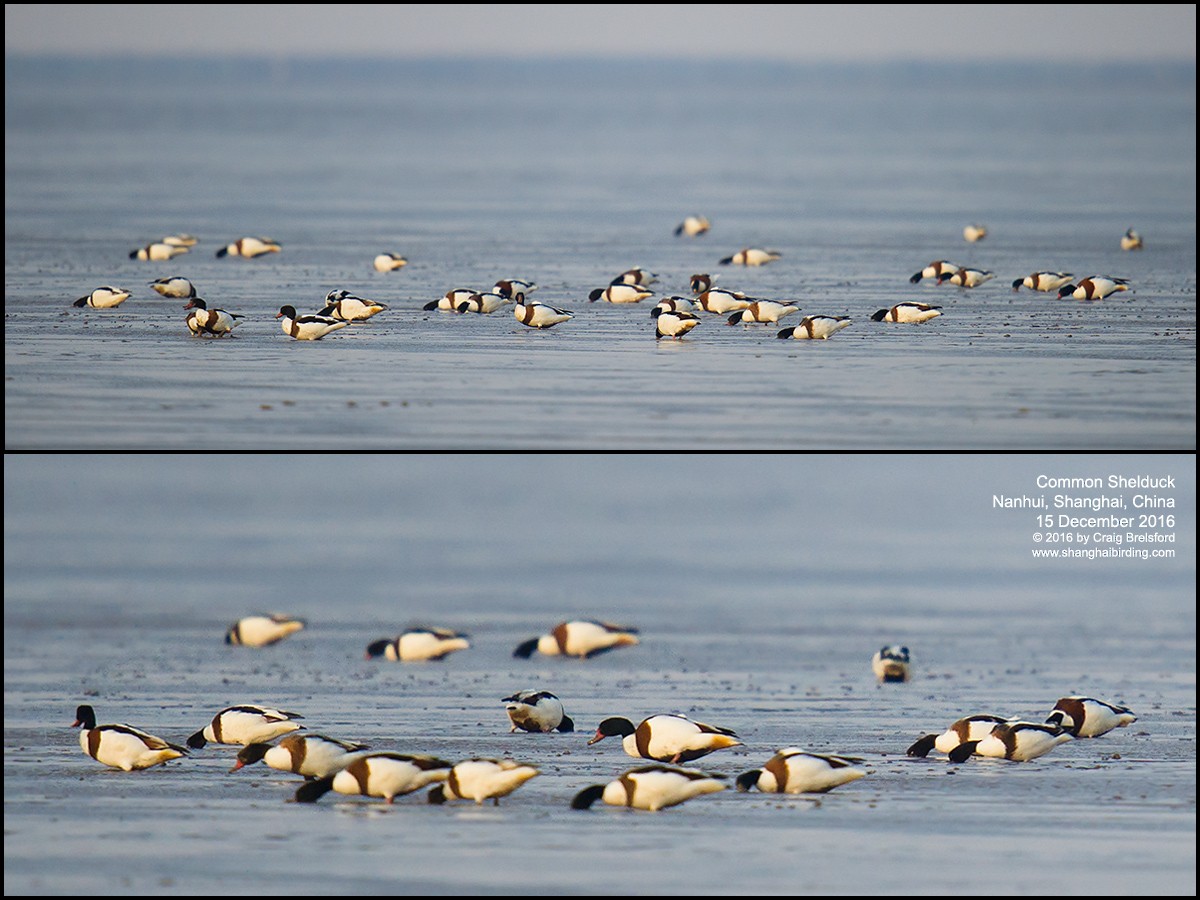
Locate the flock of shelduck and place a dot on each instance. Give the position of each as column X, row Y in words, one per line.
column 999, row 737
column 668, row 741
column 675, row 316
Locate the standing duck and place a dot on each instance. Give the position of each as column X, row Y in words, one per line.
column 762, row 311
column 1085, row 717
column 890, row 664
column 310, row 755
column 1018, row 741
column 450, row 300
column 245, row 724
column 650, row 788
column 717, row 300
column 968, row 728
column 383, row 774
column 534, row 314
column 751, row 256
column 249, row 247
column 510, row 287
column 482, row 779
column 636, row 276
column 935, row 270
column 204, row 321
column 667, row 738
column 907, row 312
column 389, row 262
column 345, row 307
column 263, row 629
column 1131, row 240
column 537, row 711
column 1043, row 281
column 674, row 324
column 157, row 251
column 122, row 746
column 693, row 226
column 794, row 771
column 104, row 298
column 621, row 292
column 484, row 303
column 967, row 278
column 1095, row 287
column 307, row 327
column 815, row 328
column 174, row 286
column 419, row 645
column 580, row 638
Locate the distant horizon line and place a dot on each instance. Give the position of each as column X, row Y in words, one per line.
column 323, row 57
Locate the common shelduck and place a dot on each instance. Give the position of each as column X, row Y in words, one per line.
column 538, row 315
column 484, row 303
column 667, row 737
column 1018, row 741
column 1131, row 240
column 674, row 324
column 381, row 774
column 180, row 240
column 891, row 663
column 249, row 247
column 246, row 724
column 973, row 233
column 716, row 300
column 482, row 779
column 580, row 637
column 389, row 262
column 672, row 304
column 967, row 278
column 650, row 788
column 762, row 311
column 122, row 746
column 263, row 629
column 702, row 282
column 693, row 226
column 307, row 327
column 1093, row 288
column 935, row 269
column 104, row 298
column 751, row 256
column 635, row 276
column 1086, row 717
column 204, row 321
column 509, row 287
column 174, row 286
column 795, row 771
column 450, row 300
column 157, row 251
column 815, row 328
column 620, row 292
column 907, row 312
column 310, row 755
column 968, row 728
column 345, row 307
column 537, row 711
column 419, row 645
column 1043, row 281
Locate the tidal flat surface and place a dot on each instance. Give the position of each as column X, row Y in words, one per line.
column 567, row 175
column 760, row 595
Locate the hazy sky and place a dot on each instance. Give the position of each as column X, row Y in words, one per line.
column 800, row 33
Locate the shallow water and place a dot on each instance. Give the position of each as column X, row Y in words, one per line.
column 761, row 586
column 567, row 174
